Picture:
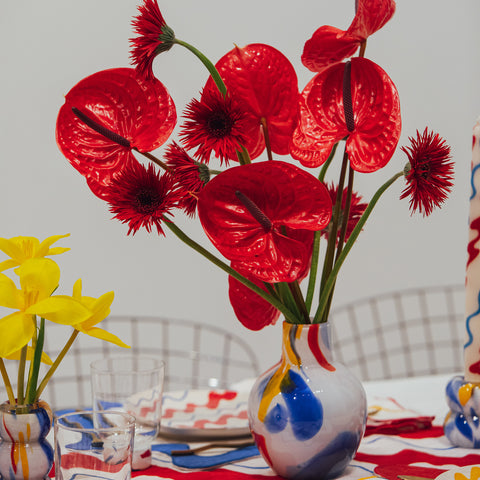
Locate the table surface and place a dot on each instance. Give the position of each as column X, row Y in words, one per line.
column 425, row 453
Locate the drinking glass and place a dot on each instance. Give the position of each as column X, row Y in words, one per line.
column 133, row 384
column 92, row 445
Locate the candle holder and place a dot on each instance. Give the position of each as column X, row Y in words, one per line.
column 462, row 423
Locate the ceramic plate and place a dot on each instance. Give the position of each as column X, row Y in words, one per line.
column 204, row 414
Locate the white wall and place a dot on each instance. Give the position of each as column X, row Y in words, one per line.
column 429, row 48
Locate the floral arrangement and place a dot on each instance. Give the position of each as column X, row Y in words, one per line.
column 270, row 218
column 24, row 330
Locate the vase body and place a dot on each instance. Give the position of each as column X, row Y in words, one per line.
column 25, row 452
column 307, row 413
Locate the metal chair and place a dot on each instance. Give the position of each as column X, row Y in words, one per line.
column 419, row 331
column 196, row 356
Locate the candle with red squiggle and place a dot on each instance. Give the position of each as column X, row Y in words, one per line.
column 472, row 281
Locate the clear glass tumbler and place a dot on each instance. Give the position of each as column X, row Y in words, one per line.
column 133, row 384
column 92, row 445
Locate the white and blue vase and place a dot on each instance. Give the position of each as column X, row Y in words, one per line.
column 462, row 423
column 25, row 453
column 307, row 413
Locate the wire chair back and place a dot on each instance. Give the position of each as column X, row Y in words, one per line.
column 414, row 332
column 196, row 356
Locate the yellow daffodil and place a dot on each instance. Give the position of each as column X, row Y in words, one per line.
column 39, row 277
column 100, row 309
column 20, row 249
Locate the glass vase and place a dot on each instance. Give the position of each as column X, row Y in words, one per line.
column 25, row 453
column 307, row 413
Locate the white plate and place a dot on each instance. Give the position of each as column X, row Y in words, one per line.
column 204, row 414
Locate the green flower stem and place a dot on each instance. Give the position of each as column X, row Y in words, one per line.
column 348, row 246
column 313, row 271
column 243, row 156
column 154, row 159
column 332, row 237
column 21, row 376
column 298, row 298
column 323, row 171
column 316, row 241
column 343, row 231
column 7, row 383
column 289, row 316
column 55, row 364
column 266, row 137
column 208, row 64
column 35, row 364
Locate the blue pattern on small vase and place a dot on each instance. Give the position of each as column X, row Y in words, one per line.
column 452, row 393
column 332, row 459
column 463, row 426
column 305, row 410
column 276, row 419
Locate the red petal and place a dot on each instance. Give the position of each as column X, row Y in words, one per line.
column 263, row 83
column 376, row 109
column 371, row 16
column 139, row 110
column 287, row 195
column 328, row 45
column 251, row 310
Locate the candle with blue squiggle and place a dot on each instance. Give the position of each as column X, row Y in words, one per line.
column 472, row 282
column 462, row 425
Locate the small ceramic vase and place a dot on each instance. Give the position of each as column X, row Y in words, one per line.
column 307, row 413
column 25, row 454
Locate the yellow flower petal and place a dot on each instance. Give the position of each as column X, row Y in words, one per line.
column 20, row 249
column 103, row 335
column 44, row 248
column 60, row 309
column 30, row 352
column 10, row 296
column 99, row 308
column 38, row 277
column 7, row 264
column 77, row 290
column 17, row 330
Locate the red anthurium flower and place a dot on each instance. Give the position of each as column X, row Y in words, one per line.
column 246, row 211
column 261, row 82
column 190, row 176
column 141, row 197
column 108, row 114
column 251, row 310
column 430, row 173
column 329, row 45
column 375, row 123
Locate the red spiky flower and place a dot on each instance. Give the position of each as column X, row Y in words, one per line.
column 429, row 174
column 191, row 176
column 142, row 197
column 214, row 124
column 154, row 37
column 357, row 207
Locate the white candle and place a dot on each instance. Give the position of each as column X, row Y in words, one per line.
column 472, row 281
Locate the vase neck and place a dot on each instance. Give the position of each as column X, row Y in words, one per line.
column 307, row 344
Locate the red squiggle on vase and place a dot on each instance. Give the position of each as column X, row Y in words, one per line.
column 472, row 250
column 317, row 352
